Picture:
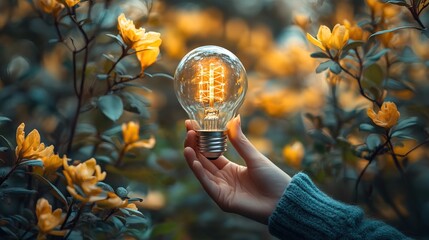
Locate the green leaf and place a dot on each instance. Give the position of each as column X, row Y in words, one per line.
column 412, row 121
column 111, row 106
column 371, row 59
column 17, row 190
column 136, row 220
column 321, row 137
column 109, row 57
column 319, row 55
column 373, row 74
column 352, row 44
column 325, row 65
column 335, row 68
column 373, row 141
column 118, row 39
column 136, row 103
column 393, row 30
column 365, row 127
column 397, row 2
column 54, row 190
column 4, row 119
column 5, row 142
column 10, row 233
column 393, row 84
column 37, row 163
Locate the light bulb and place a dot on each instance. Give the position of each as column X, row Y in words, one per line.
column 210, row 83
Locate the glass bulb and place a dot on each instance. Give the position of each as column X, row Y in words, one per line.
column 210, row 83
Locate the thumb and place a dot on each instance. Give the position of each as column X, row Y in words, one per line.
column 247, row 151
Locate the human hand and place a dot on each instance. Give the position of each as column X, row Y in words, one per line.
column 251, row 191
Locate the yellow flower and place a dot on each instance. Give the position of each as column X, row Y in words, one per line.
column 387, row 117
column 327, row 40
column 30, row 147
column 112, row 201
column 71, row 3
column 85, row 176
column 130, row 133
column 132, row 206
column 293, row 154
column 50, row 6
column 355, row 32
column 48, row 220
column 146, row 44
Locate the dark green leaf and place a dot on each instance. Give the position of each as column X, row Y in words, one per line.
column 103, row 159
column 9, row 232
column 374, row 74
column 325, row 65
column 5, row 142
column 102, row 76
column 4, row 119
column 392, row 30
column 352, row 44
column 319, row 55
column 118, row 40
column 397, row 2
column 412, row 121
column 132, row 220
column 393, row 84
column 371, row 59
column 373, row 141
column 38, row 163
column 113, row 131
column 335, row 68
column 365, row 127
column 136, row 103
column 109, row 57
column 116, row 222
column 111, row 106
column 54, row 190
column 17, row 190
column 321, row 137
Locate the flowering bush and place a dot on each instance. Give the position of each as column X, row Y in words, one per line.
column 337, row 89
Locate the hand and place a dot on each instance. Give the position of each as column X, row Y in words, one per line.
column 251, row 191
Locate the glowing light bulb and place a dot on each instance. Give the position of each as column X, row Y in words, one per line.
column 210, row 83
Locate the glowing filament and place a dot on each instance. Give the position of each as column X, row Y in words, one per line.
column 211, row 85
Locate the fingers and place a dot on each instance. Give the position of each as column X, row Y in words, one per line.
column 191, row 141
column 191, row 156
column 206, row 179
column 246, row 150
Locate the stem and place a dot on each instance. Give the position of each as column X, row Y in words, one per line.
column 416, row 17
column 110, row 214
column 121, row 156
column 8, row 174
column 69, row 210
column 392, row 153
column 75, row 220
column 414, row 148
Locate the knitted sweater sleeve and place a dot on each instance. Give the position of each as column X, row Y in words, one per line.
column 305, row 212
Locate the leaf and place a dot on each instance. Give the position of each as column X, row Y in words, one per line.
column 17, row 190
column 352, row 44
column 422, row 5
column 374, row 74
column 109, row 57
column 397, row 2
column 118, row 39
column 393, row 30
column 9, row 232
column 412, row 121
column 393, row 84
column 136, row 103
column 371, row 59
column 319, row 55
column 321, row 137
column 414, row 132
column 373, row 141
column 38, row 163
column 4, row 119
column 18, row 67
column 54, row 190
column 323, row 66
column 136, row 220
column 111, row 106
column 335, row 68
column 5, row 142
column 365, row 127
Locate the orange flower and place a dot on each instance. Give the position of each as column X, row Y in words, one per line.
column 355, row 32
column 30, row 147
column 293, row 154
column 387, row 117
column 146, row 44
column 327, row 40
column 130, row 133
column 112, row 201
column 85, row 176
column 71, row 3
column 48, row 220
column 50, row 6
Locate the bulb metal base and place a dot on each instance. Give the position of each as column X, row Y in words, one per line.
column 211, row 143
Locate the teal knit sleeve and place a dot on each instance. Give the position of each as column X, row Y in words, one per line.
column 305, row 212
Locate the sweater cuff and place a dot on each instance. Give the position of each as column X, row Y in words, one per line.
column 304, row 212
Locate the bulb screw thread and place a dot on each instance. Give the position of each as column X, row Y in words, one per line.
column 212, row 143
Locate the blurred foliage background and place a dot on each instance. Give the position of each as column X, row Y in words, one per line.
column 303, row 119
